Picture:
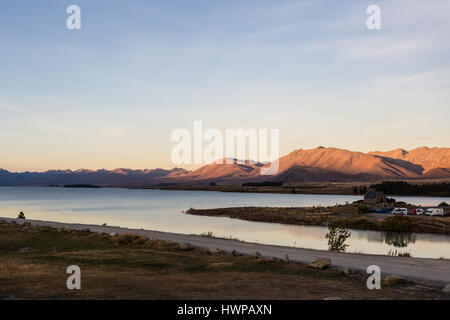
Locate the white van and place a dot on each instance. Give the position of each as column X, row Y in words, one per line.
column 435, row 212
column 403, row 211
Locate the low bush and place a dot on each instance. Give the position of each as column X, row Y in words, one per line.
column 396, row 224
column 363, row 209
column 125, row 239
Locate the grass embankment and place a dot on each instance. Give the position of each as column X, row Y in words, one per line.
column 353, row 216
column 33, row 263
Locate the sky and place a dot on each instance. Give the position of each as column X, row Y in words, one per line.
column 110, row 94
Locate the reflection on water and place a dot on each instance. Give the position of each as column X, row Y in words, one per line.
column 399, row 239
column 163, row 211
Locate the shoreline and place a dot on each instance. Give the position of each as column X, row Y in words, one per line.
column 422, row 270
column 231, row 189
column 344, row 216
column 308, row 188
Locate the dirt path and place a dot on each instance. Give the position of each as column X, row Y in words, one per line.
column 428, row 271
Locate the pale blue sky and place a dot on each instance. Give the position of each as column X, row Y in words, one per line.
column 110, row 94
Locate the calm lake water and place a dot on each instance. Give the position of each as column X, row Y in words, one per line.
column 163, row 211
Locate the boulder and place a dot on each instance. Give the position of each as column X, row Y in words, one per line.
column 213, row 250
column 256, row 255
column 185, row 247
column 393, row 280
column 235, row 253
column 277, row 259
column 347, row 271
column 25, row 250
column 320, row 263
column 447, row 288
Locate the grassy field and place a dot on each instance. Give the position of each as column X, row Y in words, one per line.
column 352, row 216
column 33, row 262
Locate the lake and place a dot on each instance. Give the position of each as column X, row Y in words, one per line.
column 162, row 210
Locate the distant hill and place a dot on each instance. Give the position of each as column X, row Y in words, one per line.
column 114, row 178
column 343, row 164
column 428, row 158
column 319, row 164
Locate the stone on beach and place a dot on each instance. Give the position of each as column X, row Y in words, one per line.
column 347, row 271
column 320, row 263
column 185, row 247
column 393, row 280
column 256, row 255
column 213, row 250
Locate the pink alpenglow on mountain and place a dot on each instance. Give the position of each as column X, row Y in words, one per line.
column 319, row 164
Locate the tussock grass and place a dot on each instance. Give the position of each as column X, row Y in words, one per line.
column 133, row 267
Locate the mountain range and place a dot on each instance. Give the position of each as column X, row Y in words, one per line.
column 319, row 164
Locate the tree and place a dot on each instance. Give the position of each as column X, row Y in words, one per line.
column 336, row 238
column 443, row 204
column 363, row 209
column 21, row 215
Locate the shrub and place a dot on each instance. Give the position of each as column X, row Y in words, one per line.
column 208, row 234
column 363, row 209
column 125, row 239
column 397, row 224
column 21, row 215
column 336, row 238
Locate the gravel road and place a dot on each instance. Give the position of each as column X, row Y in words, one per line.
column 427, row 271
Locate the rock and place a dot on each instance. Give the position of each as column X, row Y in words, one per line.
column 333, row 298
column 393, row 280
column 277, row 259
column 25, row 250
column 320, row 263
column 185, row 247
column 213, row 250
column 113, row 234
column 235, row 253
column 347, row 271
column 256, row 255
column 447, row 288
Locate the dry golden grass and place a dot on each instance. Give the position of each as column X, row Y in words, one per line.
column 121, row 268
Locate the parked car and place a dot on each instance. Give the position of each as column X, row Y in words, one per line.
column 402, row 211
column 435, row 212
column 418, row 211
column 382, row 211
